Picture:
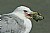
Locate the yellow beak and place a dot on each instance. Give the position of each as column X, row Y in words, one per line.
column 34, row 13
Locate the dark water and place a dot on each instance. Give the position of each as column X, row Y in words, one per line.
column 42, row 6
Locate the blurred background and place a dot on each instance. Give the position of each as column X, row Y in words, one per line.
column 42, row 6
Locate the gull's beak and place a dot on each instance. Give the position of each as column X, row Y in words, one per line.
column 30, row 14
column 34, row 13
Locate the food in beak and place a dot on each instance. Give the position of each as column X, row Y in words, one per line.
column 37, row 16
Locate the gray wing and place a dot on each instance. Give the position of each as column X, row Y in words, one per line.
column 11, row 24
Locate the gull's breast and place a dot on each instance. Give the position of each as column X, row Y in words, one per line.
column 28, row 25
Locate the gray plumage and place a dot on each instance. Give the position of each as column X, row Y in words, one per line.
column 11, row 23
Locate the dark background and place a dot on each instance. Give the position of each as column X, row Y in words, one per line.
column 42, row 6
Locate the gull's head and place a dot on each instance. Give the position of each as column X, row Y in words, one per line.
column 28, row 13
column 23, row 11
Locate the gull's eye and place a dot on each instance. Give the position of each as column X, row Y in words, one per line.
column 25, row 11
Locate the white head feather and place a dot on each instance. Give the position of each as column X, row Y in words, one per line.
column 19, row 11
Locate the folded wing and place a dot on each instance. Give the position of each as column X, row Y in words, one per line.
column 11, row 23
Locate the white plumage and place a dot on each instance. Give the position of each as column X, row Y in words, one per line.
column 16, row 21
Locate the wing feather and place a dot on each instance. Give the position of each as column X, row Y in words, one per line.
column 12, row 23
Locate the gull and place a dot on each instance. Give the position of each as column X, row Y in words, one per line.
column 19, row 20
